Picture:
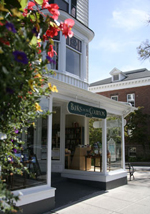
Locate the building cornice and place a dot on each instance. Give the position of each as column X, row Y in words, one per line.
column 120, row 85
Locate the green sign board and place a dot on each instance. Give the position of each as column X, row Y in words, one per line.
column 88, row 111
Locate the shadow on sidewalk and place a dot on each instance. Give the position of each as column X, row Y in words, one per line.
column 69, row 192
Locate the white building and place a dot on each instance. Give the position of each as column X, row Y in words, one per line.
column 61, row 142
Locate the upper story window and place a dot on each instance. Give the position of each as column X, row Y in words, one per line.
column 73, row 55
column 74, row 43
column 131, row 99
column 115, row 97
column 70, row 6
column 54, row 62
column 73, row 8
column 116, row 77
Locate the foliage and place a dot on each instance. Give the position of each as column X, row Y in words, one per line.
column 144, row 50
column 25, row 34
column 136, row 130
column 95, row 135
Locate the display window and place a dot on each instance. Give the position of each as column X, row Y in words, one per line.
column 114, row 141
column 82, row 153
column 56, row 133
column 33, row 155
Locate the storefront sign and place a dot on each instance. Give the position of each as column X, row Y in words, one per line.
column 88, row 111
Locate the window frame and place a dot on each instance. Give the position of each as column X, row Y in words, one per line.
column 130, row 100
column 113, row 96
column 52, row 66
column 80, row 57
column 116, row 75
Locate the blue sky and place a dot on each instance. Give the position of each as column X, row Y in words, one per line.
column 119, row 26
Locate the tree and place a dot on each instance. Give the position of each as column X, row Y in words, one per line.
column 144, row 50
column 25, row 33
column 95, row 135
column 136, row 130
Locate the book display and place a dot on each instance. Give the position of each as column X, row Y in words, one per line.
column 73, row 137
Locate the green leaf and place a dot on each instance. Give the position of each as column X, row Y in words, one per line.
column 23, row 3
column 39, row 1
column 32, row 17
column 33, row 41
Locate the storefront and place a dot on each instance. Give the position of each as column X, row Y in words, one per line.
column 61, row 143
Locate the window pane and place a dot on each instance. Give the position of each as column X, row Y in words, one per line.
column 72, row 62
column 73, row 8
column 114, row 98
column 74, row 43
column 33, row 155
column 54, row 63
column 114, row 141
column 116, row 77
column 56, row 134
column 131, row 99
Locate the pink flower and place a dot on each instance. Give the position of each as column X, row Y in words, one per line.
column 53, row 9
column 45, row 4
column 66, row 27
column 51, row 51
column 30, row 5
column 25, row 12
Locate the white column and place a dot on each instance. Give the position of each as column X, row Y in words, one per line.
column 104, row 146
column 49, row 142
column 83, row 62
column 86, row 130
column 62, row 134
column 62, row 54
column 123, row 144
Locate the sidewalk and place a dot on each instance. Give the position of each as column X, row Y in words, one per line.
column 133, row 198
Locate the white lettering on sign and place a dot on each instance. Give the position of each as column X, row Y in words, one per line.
column 87, row 110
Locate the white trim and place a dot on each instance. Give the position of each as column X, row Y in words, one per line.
column 123, row 144
column 94, row 176
column 88, row 33
column 104, row 146
column 120, row 85
column 114, row 96
column 49, row 142
column 69, row 92
column 34, row 194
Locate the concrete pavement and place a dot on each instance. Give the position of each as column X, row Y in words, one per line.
column 133, row 198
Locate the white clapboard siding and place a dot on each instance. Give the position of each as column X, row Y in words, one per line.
column 83, row 11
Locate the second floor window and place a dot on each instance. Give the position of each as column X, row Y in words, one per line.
column 131, row 99
column 115, row 97
column 54, row 63
column 73, row 55
column 73, row 8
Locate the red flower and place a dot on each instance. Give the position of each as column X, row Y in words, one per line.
column 51, row 51
column 45, row 38
column 53, row 9
column 45, row 4
column 1, row 24
column 52, row 31
column 30, row 5
column 66, row 27
column 4, row 41
column 25, row 12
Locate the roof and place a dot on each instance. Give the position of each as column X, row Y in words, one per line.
column 67, row 92
column 129, row 75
